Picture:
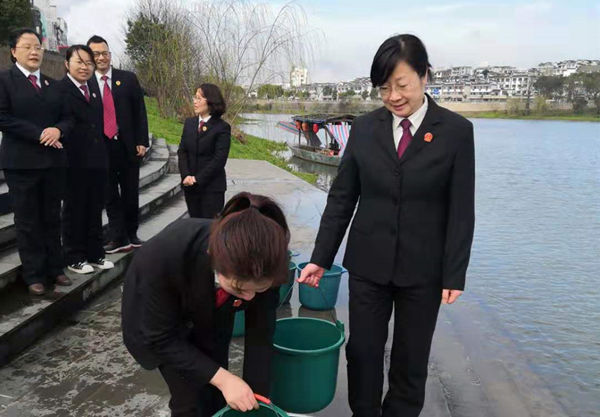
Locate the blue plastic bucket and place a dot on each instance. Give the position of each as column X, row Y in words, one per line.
column 325, row 295
column 239, row 324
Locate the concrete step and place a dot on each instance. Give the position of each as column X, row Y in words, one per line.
column 150, row 171
column 24, row 318
column 151, row 198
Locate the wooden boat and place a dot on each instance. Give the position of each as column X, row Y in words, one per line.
column 336, row 128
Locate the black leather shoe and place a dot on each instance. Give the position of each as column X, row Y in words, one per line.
column 63, row 280
column 114, row 246
column 136, row 242
column 37, row 289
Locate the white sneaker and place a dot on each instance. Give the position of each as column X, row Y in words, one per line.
column 81, row 268
column 102, row 264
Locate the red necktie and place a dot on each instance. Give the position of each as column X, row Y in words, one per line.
column 110, row 116
column 33, row 79
column 200, row 125
column 221, row 296
column 406, row 137
column 86, row 93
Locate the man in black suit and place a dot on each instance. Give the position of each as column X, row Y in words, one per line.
column 33, row 119
column 410, row 166
column 126, row 130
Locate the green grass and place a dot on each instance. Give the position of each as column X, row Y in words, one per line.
column 255, row 148
column 503, row 115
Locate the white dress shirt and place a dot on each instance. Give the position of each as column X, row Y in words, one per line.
column 101, row 82
column 78, row 84
column 205, row 120
column 415, row 121
column 27, row 74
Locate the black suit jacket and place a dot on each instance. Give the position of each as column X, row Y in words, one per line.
column 204, row 154
column 85, row 145
column 130, row 110
column 24, row 114
column 168, row 309
column 415, row 217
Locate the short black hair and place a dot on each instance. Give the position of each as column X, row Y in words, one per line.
column 214, row 99
column 407, row 48
column 76, row 48
column 96, row 39
column 14, row 37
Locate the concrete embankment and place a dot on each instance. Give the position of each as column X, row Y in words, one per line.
column 82, row 368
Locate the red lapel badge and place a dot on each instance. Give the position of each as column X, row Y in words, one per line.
column 428, row 137
column 237, row 302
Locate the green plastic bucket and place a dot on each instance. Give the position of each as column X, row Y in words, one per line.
column 267, row 409
column 239, row 324
column 305, row 363
column 325, row 295
column 286, row 290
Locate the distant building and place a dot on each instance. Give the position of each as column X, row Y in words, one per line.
column 49, row 25
column 298, row 76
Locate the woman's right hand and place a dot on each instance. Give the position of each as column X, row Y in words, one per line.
column 311, row 275
column 189, row 180
column 237, row 393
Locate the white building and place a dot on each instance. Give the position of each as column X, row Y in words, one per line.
column 298, row 76
column 53, row 28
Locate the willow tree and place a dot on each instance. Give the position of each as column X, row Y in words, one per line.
column 235, row 44
column 160, row 44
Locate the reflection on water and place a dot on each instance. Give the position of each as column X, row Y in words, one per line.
column 535, row 263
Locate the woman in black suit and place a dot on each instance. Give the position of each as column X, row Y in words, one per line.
column 88, row 166
column 180, row 295
column 410, row 167
column 203, row 152
column 33, row 121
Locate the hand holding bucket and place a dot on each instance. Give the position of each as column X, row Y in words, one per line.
column 311, row 274
column 266, row 408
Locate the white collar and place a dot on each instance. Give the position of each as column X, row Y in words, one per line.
column 205, row 120
column 416, row 118
column 28, row 73
column 108, row 74
column 77, row 83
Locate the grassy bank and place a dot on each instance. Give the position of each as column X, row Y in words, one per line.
column 557, row 116
column 255, row 148
column 357, row 107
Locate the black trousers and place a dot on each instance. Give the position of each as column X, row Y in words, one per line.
column 35, row 196
column 82, row 214
column 204, row 204
column 122, row 199
column 415, row 315
column 189, row 399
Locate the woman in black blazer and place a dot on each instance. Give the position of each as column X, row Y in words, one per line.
column 180, row 295
column 203, row 152
column 410, row 166
column 33, row 121
column 88, row 166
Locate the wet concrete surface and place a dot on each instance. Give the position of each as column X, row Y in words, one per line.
column 81, row 368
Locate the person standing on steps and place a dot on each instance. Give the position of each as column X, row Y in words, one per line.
column 126, row 132
column 33, row 121
column 88, row 166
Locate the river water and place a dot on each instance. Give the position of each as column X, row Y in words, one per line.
column 535, row 263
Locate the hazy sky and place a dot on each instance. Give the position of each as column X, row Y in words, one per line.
column 496, row 32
